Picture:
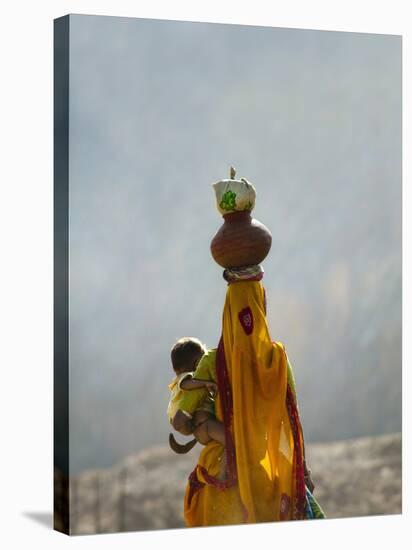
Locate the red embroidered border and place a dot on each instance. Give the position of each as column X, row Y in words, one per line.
column 299, row 511
column 225, row 392
column 194, row 485
column 220, row 484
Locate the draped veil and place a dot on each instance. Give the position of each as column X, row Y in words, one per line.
column 263, row 432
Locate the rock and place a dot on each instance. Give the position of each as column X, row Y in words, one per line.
column 356, row 477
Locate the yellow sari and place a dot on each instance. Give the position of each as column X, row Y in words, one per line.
column 263, row 435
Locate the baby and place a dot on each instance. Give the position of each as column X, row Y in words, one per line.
column 185, row 355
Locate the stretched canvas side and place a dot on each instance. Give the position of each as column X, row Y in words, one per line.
column 61, row 519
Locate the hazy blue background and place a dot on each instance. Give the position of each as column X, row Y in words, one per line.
column 158, row 111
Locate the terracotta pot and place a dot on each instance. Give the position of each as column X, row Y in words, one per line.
column 241, row 241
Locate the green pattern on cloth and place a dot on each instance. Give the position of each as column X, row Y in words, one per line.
column 315, row 509
column 228, row 201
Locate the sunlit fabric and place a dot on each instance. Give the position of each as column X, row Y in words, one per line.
column 264, row 425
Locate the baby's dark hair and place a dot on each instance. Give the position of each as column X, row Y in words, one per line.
column 185, row 352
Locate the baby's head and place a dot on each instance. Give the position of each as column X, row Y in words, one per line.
column 186, row 353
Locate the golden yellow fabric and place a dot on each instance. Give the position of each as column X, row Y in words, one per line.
column 258, row 373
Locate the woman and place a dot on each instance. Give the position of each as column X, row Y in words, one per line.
column 266, row 474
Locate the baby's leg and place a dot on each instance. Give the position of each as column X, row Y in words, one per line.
column 216, row 431
column 207, row 428
column 200, row 419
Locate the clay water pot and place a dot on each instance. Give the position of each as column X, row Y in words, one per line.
column 241, row 241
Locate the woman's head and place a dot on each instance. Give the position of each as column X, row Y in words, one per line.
column 186, row 353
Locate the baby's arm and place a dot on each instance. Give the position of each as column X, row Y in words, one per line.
column 197, row 384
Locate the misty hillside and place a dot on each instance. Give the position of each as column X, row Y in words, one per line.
column 145, row 491
column 158, row 112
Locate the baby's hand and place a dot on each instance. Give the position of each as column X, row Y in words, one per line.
column 211, row 387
